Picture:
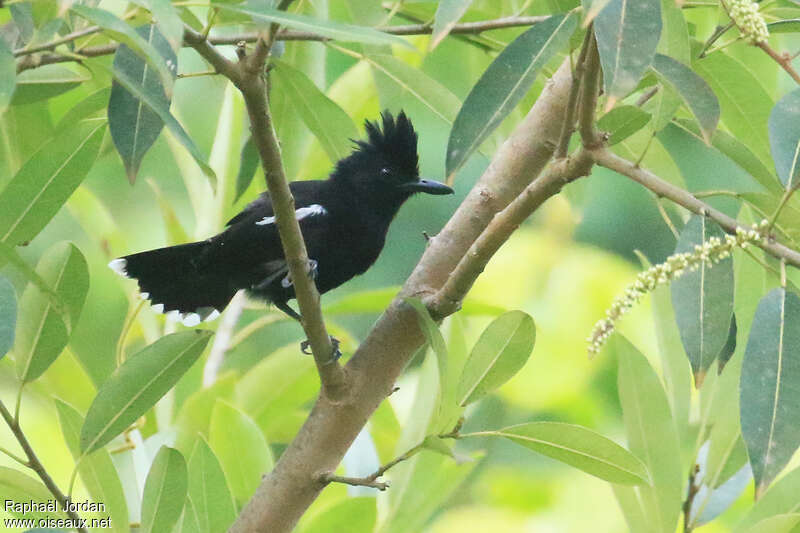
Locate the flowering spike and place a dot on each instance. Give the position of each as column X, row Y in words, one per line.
column 712, row 251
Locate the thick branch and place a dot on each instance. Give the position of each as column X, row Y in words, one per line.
column 448, row 299
column 28, row 62
column 36, row 465
column 330, row 428
column 684, row 198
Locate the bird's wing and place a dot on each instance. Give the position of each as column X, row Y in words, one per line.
column 305, row 193
column 250, row 247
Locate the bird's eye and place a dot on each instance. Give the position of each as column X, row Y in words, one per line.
column 385, row 171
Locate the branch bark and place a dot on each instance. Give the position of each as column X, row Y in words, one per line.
column 36, row 465
column 662, row 188
column 29, row 60
column 294, row 483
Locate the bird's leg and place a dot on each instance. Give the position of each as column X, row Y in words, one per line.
column 304, row 346
column 311, row 269
column 284, row 306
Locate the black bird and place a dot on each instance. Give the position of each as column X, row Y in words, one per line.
column 344, row 221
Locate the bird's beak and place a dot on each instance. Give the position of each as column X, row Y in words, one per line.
column 427, row 186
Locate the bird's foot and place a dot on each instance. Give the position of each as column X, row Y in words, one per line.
column 311, row 270
column 305, row 347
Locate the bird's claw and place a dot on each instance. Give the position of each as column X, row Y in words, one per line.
column 305, row 347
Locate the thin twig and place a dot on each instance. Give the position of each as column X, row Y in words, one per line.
column 687, row 504
column 569, row 119
column 36, row 465
column 665, row 216
column 468, row 28
column 784, row 60
column 684, row 198
column 354, row 481
column 647, row 96
column 589, row 94
column 784, row 199
column 249, row 77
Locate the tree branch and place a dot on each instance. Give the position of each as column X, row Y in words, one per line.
column 503, row 225
column 36, row 465
column 684, row 198
column 572, row 106
column 248, row 76
column 294, row 483
column 589, row 94
column 473, row 28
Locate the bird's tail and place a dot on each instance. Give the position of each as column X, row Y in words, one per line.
column 175, row 281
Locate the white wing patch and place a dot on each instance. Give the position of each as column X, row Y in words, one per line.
column 301, row 213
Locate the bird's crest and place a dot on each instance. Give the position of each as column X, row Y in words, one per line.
column 393, row 141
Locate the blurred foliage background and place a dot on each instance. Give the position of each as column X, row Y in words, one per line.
column 563, row 267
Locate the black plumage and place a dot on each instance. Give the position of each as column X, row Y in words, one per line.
column 344, row 221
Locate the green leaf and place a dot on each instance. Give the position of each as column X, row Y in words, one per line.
column 651, row 435
column 432, row 94
column 730, row 345
column 703, row 299
column 377, row 300
column 352, row 514
column 154, row 102
column 326, row 120
column 42, row 331
column 503, row 85
column 46, row 82
column 695, row 92
column 248, row 164
column 21, row 488
column 420, row 486
column 326, row 28
column 501, row 351
column 123, row 32
column 627, row 33
column 622, row 122
column 134, row 127
column 241, row 449
column 97, row 471
column 675, row 33
column 168, row 20
column 8, row 315
column 744, row 102
column 208, row 491
column 436, row 342
column 737, row 152
column 591, row 8
column 8, row 75
column 175, row 232
column 164, row 491
column 784, row 26
column 447, row 15
column 781, row 498
column 276, row 390
column 579, row 447
column 89, row 107
column 45, row 182
column 784, row 138
column 769, row 389
column 664, row 105
column 138, row 384
column 782, row 523
column 675, row 365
